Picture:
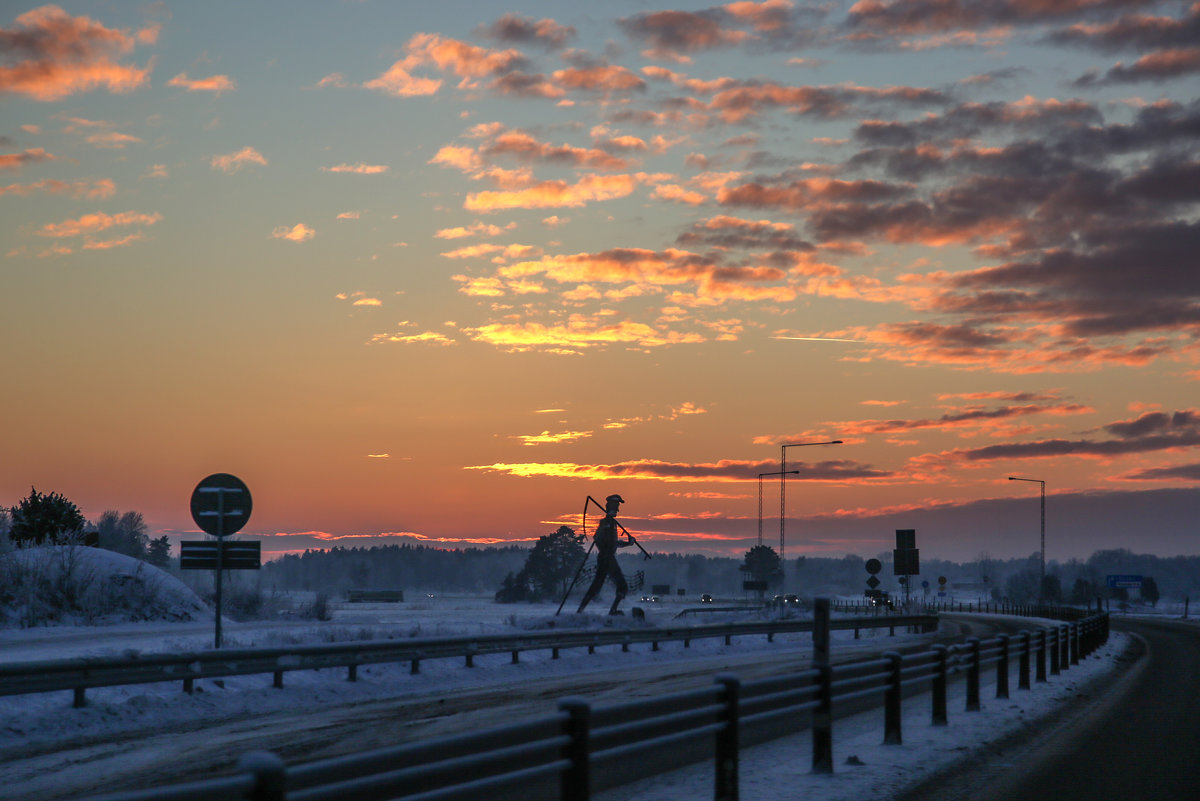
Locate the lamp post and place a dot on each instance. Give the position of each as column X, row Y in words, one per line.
column 760, row 478
column 783, row 471
column 1042, row 585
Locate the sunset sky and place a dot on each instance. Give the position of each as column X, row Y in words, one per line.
column 436, row 272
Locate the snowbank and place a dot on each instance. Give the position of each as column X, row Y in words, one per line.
column 73, row 585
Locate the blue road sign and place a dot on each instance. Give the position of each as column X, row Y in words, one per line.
column 1127, row 582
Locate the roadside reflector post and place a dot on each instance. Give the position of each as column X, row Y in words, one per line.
column 941, row 670
column 891, row 700
column 973, row 675
column 726, row 779
column 1002, row 668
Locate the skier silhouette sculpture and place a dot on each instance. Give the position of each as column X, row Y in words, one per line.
column 607, row 542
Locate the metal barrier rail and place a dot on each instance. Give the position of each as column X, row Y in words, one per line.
column 567, row 755
column 80, row 674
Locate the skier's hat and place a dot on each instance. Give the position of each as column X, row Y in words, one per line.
column 616, row 498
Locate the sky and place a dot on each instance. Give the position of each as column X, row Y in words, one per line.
column 436, row 273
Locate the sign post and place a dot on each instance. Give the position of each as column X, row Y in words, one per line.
column 221, row 505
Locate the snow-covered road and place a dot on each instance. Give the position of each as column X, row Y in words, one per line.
column 140, row 736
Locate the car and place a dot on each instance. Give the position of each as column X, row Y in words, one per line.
column 706, row 599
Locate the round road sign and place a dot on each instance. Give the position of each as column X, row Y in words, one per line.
column 874, row 566
column 221, row 504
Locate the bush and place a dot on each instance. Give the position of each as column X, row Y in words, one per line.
column 46, row 520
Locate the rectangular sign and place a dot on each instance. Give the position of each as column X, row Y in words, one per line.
column 202, row 555
column 906, row 562
column 906, row 538
column 1127, row 582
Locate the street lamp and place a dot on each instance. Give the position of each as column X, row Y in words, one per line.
column 783, row 471
column 1042, row 586
column 760, row 478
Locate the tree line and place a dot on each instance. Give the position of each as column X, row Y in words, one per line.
column 518, row 572
column 52, row 519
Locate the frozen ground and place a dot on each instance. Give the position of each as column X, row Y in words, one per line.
column 40, row 723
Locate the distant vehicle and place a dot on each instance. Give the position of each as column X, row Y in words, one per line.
column 650, row 599
column 876, row 597
column 706, row 599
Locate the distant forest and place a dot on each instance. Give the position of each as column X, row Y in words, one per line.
column 419, row 568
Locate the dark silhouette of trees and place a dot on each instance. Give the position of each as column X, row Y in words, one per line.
column 46, row 520
column 548, row 569
column 761, row 563
column 1052, row 589
column 1150, row 590
column 158, row 552
column 123, row 533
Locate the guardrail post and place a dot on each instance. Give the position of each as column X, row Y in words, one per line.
column 973, row 675
column 891, row 700
column 1023, row 662
column 1002, row 668
column 727, row 740
column 1041, row 655
column 353, row 673
column 516, row 657
column 941, row 669
column 269, row 777
column 1054, row 649
column 416, row 667
column 80, row 698
column 576, row 778
column 1064, row 648
column 1075, row 628
column 278, row 682
column 189, row 686
column 822, row 722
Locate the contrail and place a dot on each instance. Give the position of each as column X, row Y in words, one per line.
column 820, row 339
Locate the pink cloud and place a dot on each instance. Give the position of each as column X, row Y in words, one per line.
column 60, row 55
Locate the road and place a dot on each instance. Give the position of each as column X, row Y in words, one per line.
column 1140, row 741
column 148, row 756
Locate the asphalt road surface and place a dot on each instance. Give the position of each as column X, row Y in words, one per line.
column 1137, row 740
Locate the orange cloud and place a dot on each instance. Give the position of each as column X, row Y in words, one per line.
column 359, row 169
column 606, row 78
column 14, row 161
column 112, row 243
column 726, row 470
column 398, row 82
column 232, row 162
column 552, row 194
column 215, row 83
column 101, row 188
column 63, row 55
column 99, row 221
column 679, row 194
column 546, row 438
column 297, row 233
column 112, row 139
column 576, row 335
column 427, row 337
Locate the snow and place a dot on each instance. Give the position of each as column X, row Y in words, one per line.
column 774, row 770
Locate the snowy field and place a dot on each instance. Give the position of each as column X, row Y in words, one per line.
column 770, row 771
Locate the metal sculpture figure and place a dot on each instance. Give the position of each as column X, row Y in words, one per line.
column 607, row 542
